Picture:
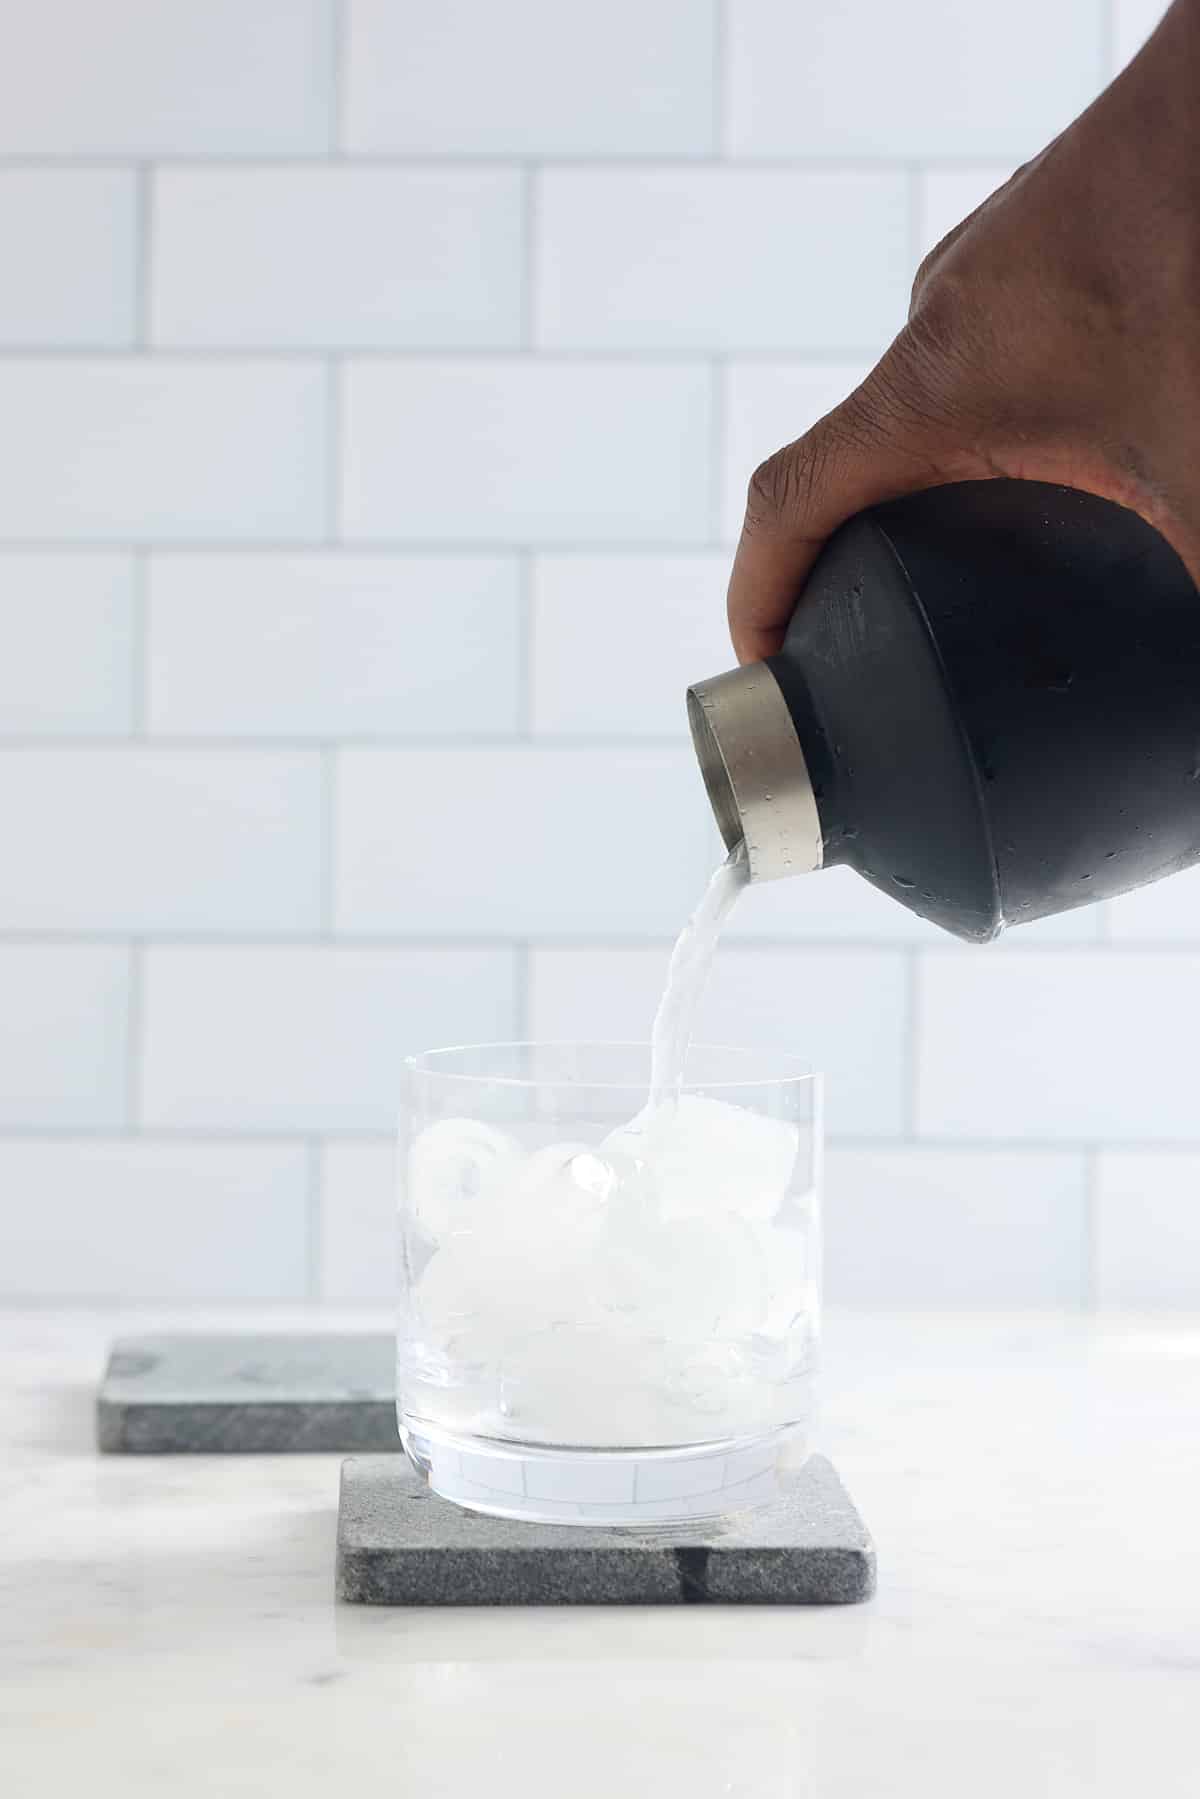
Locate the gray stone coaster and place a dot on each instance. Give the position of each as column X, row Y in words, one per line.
column 399, row 1544
column 248, row 1395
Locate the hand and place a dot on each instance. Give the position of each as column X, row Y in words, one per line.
column 1053, row 336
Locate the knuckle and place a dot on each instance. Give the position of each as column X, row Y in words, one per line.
column 944, row 353
column 922, row 278
column 939, row 308
column 959, row 250
column 781, row 488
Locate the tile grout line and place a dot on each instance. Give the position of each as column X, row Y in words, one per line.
column 720, row 55
column 334, row 433
column 652, row 356
column 337, row 80
column 144, row 252
column 133, row 1043
column 446, row 740
column 530, row 212
column 566, row 940
column 913, row 195
column 1108, row 38
column 912, row 1036
column 1091, row 1177
column 327, row 839
column 314, row 1219
column 522, row 996
column 717, row 446
column 139, row 646
column 614, row 161
column 841, row 1142
column 452, row 549
column 525, row 634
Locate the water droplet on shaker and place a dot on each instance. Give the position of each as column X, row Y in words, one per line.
column 901, row 882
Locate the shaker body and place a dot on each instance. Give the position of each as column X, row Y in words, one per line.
column 995, row 690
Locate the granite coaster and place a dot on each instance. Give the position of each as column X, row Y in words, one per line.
column 399, row 1544
column 248, row 1395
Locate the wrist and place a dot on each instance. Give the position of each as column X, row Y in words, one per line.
column 1130, row 172
column 1153, row 102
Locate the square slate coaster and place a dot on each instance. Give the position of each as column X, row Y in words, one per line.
column 399, row 1544
column 248, row 1395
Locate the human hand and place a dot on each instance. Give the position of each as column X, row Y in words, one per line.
column 1053, row 336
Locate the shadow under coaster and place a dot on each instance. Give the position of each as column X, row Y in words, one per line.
column 399, row 1544
column 248, row 1395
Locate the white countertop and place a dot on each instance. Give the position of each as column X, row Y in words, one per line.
column 1033, row 1485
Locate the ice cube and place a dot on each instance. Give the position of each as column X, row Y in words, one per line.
column 524, row 1255
column 712, row 1383
column 565, row 1185
column 591, row 1174
column 706, row 1156
column 452, row 1290
column 466, row 1310
column 453, row 1168
column 786, row 1256
column 461, row 1313
column 543, row 1216
column 686, row 1280
column 561, row 1202
column 600, row 1386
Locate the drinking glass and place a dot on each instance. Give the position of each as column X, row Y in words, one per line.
column 608, row 1315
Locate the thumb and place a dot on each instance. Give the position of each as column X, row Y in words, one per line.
column 868, row 449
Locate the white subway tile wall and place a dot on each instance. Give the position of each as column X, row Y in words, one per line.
column 128, row 1219
column 64, row 1041
column 70, row 257
column 651, row 259
column 132, row 838
column 134, row 448
column 618, row 639
column 765, row 405
column 332, row 645
column 308, row 1039
column 1133, row 21
column 1167, row 912
column 393, row 258
column 927, row 79
column 948, row 196
column 1052, row 1046
column 71, row 638
column 1147, row 1230
column 518, row 841
column 359, row 1240
column 525, row 451
column 951, row 1228
column 135, row 78
column 379, row 387
column 845, row 1013
column 530, row 78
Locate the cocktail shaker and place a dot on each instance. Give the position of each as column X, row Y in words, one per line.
column 987, row 702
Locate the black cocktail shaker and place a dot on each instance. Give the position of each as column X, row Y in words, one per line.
column 988, row 703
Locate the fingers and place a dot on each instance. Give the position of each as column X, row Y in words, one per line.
column 854, row 457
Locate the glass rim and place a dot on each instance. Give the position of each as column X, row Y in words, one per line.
column 420, row 1064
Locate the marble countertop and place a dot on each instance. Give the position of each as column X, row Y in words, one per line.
column 1033, row 1485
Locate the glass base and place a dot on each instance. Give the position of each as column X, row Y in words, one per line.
column 631, row 1487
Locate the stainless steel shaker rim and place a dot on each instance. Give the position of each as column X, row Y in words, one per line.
column 754, row 771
